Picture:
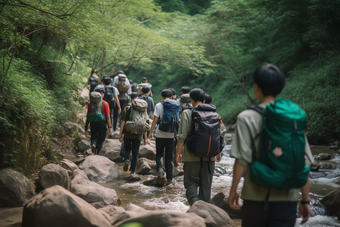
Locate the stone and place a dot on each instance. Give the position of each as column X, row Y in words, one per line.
column 15, row 188
column 111, row 213
column 130, row 211
column 68, row 165
column 221, row 200
column 333, row 148
column 219, row 171
column 156, row 182
column 88, row 152
column 55, row 207
column 78, row 161
column 331, row 202
column 133, row 178
column 213, row 216
column 315, row 166
column 146, row 166
column 79, row 138
column 52, row 174
column 99, row 169
column 114, row 135
column 84, row 145
column 111, row 149
column 71, row 128
column 166, row 219
column 323, row 156
column 98, row 205
column 328, row 165
column 80, row 156
column 178, row 171
column 55, row 140
column 148, row 152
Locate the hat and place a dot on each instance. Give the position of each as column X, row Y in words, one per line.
column 100, row 88
column 133, row 95
column 145, row 90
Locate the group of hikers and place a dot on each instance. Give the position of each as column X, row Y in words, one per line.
column 269, row 145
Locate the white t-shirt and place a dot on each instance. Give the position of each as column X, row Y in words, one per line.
column 159, row 111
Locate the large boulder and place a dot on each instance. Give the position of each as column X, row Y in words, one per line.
column 113, row 135
column 99, row 168
column 111, row 213
column 130, row 211
column 166, row 219
column 84, row 145
column 52, row 174
column 68, row 165
column 92, row 192
column 15, row 188
column 331, row 202
column 146, row 166
column 328, row 165
column 221, row 200
column 213, row 216
column 72, row 128
column 323, row 156
column 111, row 149
column 155, row 182
column 148, row 151
column 55, row 207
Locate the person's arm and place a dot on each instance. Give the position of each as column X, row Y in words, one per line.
column 179, row 152
column 118, row 104
column 122, row 124
column 233, row 195
column 87, row 120
column 145, row 136
column 153, row 126
column 183, row 130
column 107, row 115
column 304, row 208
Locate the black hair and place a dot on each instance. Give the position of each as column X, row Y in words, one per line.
column 172, row 90
column 166, row 93
column 185, row 89
column 207, row 98
column 270, row 79
column 144, row 80
column 145, row 90
column 133, row 95
column 197, row 94
column 121, row 72
column 131, row 82
column 107, row 80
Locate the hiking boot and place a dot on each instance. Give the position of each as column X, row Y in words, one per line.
column 93, row 148
column 168, row 181
column 160, row 172
column 126, row 165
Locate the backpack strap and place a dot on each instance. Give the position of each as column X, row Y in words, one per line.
column 260, row 111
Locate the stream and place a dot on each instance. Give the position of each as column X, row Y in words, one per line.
column 172, row 197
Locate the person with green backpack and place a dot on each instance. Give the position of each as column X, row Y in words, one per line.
column 273, row 155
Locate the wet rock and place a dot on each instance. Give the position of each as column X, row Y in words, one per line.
column 98, row 205
column 166, row 200
column 88, row 152
column 148, row 152
column 111, row 149
column 178, row 171
column 323, row 156
column 221, row 200
column 146, row 166
column 15, row 188
column 213, row 216
column 156, row 182
column 52, row 174
column 333, row 148
column 315, row 166
column 111, row 213
column 99, row 168
column 114, row 135
column 331, row 202
column 219, row 171
column 68, row 165
column 130, row 211
column 55, row 207
column 72, row 128
column 166, row 219
column 84, row 145
column 133, row 178
column 328, row 165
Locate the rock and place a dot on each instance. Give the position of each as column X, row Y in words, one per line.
column 68, row 165
column 72, row 128
column 88, row 152
column 130, row 211
column 84, row 145
column 134, row 208
column 166, row 219
column 111, row 149
column 328, row 165
column 79, row 138
column 99, row 168
column 55, row 140
column 52, row 174
column 78, row 161
column 15, row 188
column 323, row 156
column 114, row 135
column 213, row 216
column 331, row 202
column 111, row 213
column 146, row 166
column 55, row 207
column 221, row 200
column 133, row 178
column 178, row 171
column 315, row 166
column 333, row 148
column 219, row 171
column 79, row 176
column 148, row 152
column 156, row 182
column 98, row 205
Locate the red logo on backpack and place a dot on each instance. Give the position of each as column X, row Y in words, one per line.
column 277, row 151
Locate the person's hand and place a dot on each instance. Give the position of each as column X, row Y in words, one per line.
column 304, row 212
column 233, row 199
column 150, row 136
column 178, row 158
column 86, row 133
column 110, row 130
column 144, row 142
column 219, row 157
column 119, row 111
column 120, row 138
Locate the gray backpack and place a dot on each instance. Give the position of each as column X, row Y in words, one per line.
column 138, row 118
column 122, row 86
column 185, row 103
column 96, row 105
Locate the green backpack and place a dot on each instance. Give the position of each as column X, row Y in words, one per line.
column 96, row 105
column 281, row 164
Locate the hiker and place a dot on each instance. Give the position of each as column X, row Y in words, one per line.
column 207, row 99
column 144, row 80
column 133, row 86
column 136, row 123
column 167, row 113
column 173, row 93
column 270, row 194
column 98, row 115
column 149, row 100
column 122, row 83
column 184, row 99
column 185, row 91
column 93, row 81
column 199, row 133
column 142, row 85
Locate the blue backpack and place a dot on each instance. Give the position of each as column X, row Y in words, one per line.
column 170, row 120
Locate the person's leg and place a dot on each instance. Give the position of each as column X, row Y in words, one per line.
column 128, row 147
column 115, row 117
column 253, row 214
column 191, row 180
column 206, row 181
column 169, row 145
column 282, row 214
column 175, row 150
column 94, row 136
column 160, row 142
column 122, row 106
column 101, row 138
column 135, row 150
